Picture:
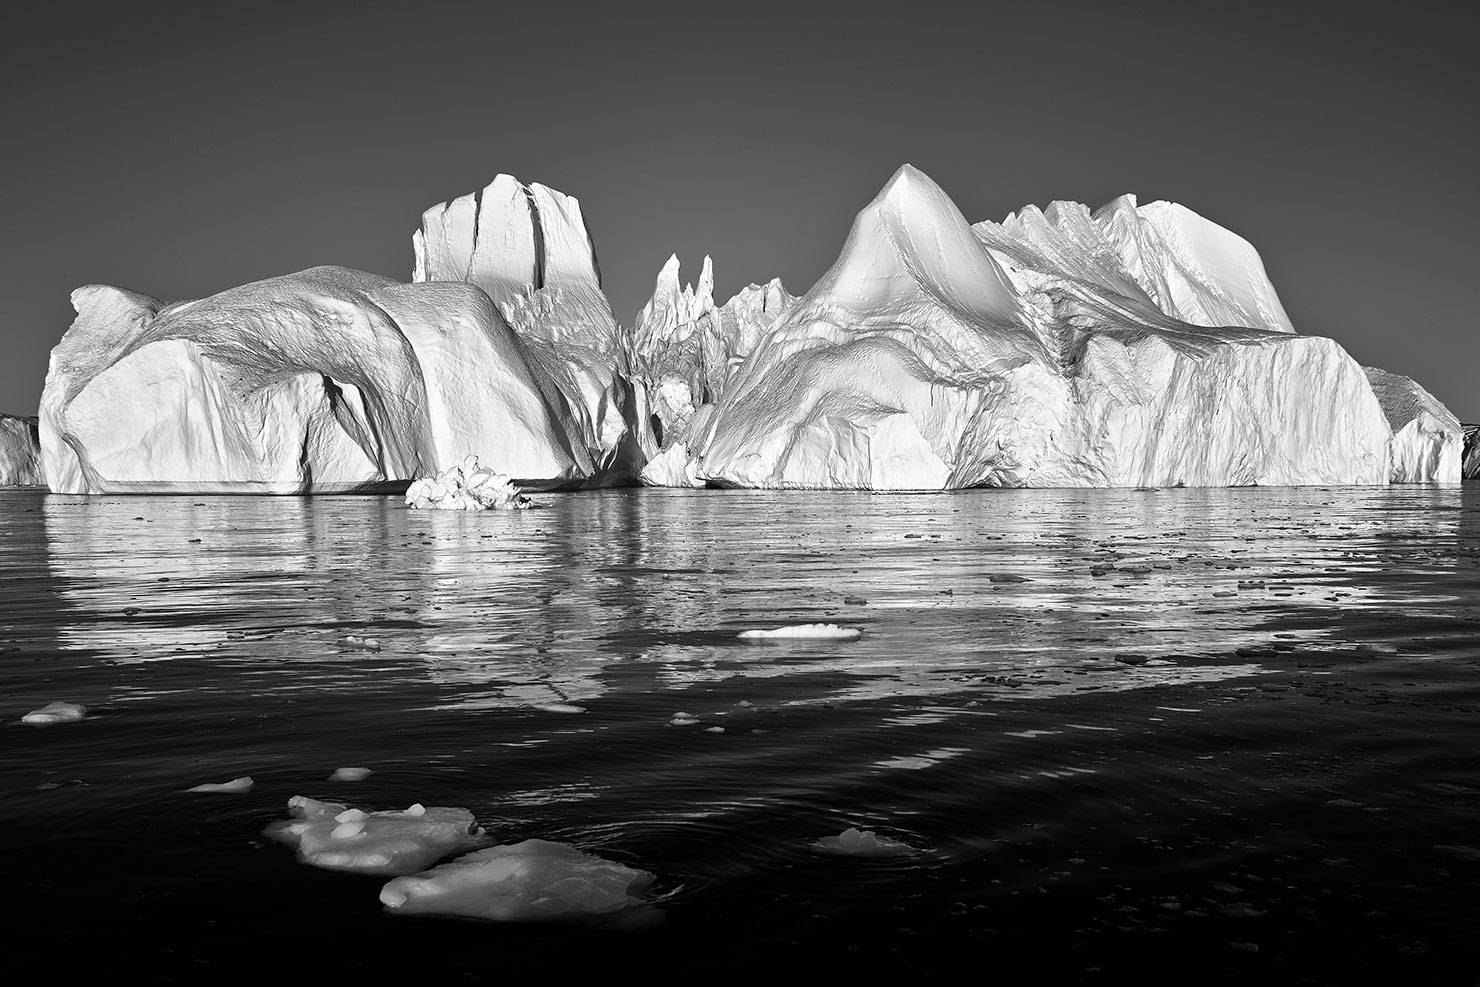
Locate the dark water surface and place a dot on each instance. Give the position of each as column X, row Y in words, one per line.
column 1247, row 752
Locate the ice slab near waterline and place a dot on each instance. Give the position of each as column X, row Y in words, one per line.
column 527, row 881
column 336, row 837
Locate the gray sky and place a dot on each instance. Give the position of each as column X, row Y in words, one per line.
column 180, row 149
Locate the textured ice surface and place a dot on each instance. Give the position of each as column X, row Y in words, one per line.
column 336, row 837
column 528, row 248
column 796, row 631
column 233, row 787
column 467, row 487
column 526, row 881
column 863, row 843
column 56, row 712
column 329, row 379
column 20, row 452
column 1428, row 441
column 1130, row 346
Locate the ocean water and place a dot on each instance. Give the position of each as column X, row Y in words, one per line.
column 1131, row 736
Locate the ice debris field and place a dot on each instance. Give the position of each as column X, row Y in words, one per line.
column 1131, row 345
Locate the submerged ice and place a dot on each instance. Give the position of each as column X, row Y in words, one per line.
column 1134, row 345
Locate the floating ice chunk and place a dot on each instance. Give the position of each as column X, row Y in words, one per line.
column 525, row 881
column 561, row 708
column 364, row 643
column 468, row 487
column 862, row 843
column 233, row 787
column 683, row 720
column 794, row 631
column 57, row 712
column 350, row 774
column 336, row 837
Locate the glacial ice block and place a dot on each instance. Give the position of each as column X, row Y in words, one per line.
column 793, row 632
column 20, row 452
column 56, row 712
column 1135, row 346
column 325, row 380
column 234, row 787
column 336, row 837
column 468, row 487
column 1428, row 440
column 1471, row 467
column 854, row 842
column 528, row 881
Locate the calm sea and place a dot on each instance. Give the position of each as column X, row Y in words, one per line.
column 1135, row 736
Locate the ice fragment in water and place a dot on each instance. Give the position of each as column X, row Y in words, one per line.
column 468, row 487
column 234, row 786
column 363, row 643
column 336, row 837
column 525, row 881
column 57, row 712
column 794, row 631
column 350, row 774
column 862, row 843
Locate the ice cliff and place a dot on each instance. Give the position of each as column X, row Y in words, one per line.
column 1129, row 346
column 20, row 452
column 1471, row 468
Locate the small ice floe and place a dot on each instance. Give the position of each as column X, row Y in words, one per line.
column 233, row 787
column 363, row 643
column 855, row 842
column 1008, row 577
column 350, row 774
column 793, row 632
column 521, row 882
column 467, row 487
column 683, row 720
column 337, row 837
column 561, row 708
column 57, row 712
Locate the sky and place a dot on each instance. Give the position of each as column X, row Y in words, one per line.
column 181, row 149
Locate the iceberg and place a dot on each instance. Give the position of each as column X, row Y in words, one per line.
column 1136, row 346
column 793, row 632
column 1472, row 452
column 20, row 452
column 528, row 249
column 529, row 881
column 685, row 351
column 336, row 837
column 1428, row 441
column 854, row 842
column 325, row 380
column 56, row 712
column 468, row 487
column 234, row 787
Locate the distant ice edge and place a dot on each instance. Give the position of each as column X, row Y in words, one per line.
column 1132, row 345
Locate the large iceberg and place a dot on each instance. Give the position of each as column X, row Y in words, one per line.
column 325, row 380
column 20, row 452
column 1131, row 346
